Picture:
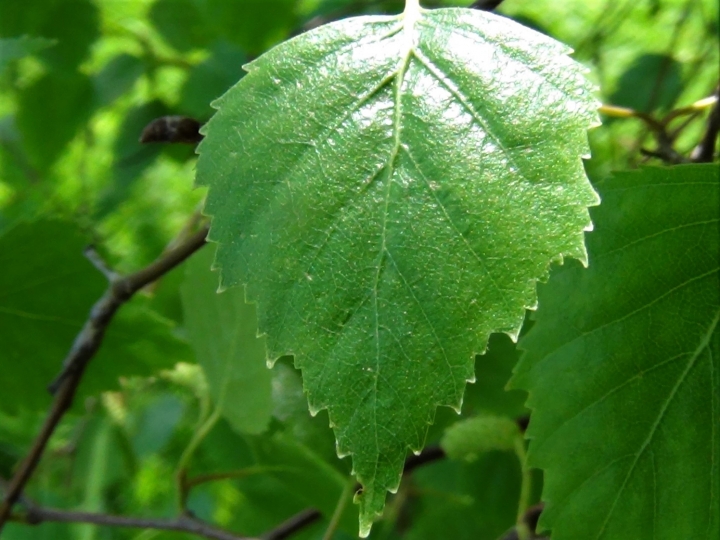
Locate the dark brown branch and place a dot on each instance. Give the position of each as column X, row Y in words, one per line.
column 428, row 455
column 530, row 518
column 296, row 523
column 86, row 344
column 705, row 151
column 485, row 5
column 186, row 524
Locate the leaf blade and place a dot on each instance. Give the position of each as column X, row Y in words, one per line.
column 223, row 332
column 621, row 345
column 350, row 224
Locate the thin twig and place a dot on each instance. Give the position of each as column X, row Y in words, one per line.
column 307, row 517
column 186, row 524
column 530, row 521
column 485, row 5
column 428, row 455
column 705, row 151
column 86, row 344
column 660, row 128
column 296, row 523
column 232, row 475
column 93, row 256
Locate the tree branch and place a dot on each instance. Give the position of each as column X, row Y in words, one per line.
column 87, row 343
column 665, row 138
column 187, row 524
column 705, row 151
column 292, row 525
column 530, row 519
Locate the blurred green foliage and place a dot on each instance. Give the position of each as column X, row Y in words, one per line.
column 79, row 79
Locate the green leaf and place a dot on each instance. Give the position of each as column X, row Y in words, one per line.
column 390, row 189
column 73, row 24
column 290, row 408
column 488, row 394
column 465, row 501
column 475, row 436
column 117, row 77
column 664, row 74
column 15, row 48
column 304, row 473
column 131, row 158
column 622, row 366
column 181, row 23
column 211, row 79
column 255, row 25
column 223, row 332
column 48, row 124
column 47, row 289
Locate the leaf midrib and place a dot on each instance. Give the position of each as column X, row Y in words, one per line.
column 410, row 18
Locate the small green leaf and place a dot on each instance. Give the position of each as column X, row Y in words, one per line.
column 622, row 366
column 131, row 158
column 48, row 125
column 472, row 437
column 390, row 189
column 652, row 82
column 117, row 77
column 181, row 23
column 304, row 473
column 223, row 332
column 210, row 79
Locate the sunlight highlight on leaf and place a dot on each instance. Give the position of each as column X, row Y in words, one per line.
column 390, row 189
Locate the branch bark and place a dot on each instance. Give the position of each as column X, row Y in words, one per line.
column 187, row 524
column 86, row 345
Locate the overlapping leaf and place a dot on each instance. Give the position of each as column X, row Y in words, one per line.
column 223, row 331
column 622, row 366
column 390, row 189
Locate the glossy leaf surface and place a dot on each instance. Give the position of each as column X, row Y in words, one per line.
column 622, row 366
column 390, row 189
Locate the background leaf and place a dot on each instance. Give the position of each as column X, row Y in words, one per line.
column 223, row 331
column 664, row 69
column 45, row 296
column 15, row 48
column 72, row 23
column 466, row 501
column 210, row 79
column 622, row 366
column 47, row 126
column 387, row 230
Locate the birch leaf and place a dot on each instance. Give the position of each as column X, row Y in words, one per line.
column 390, row 189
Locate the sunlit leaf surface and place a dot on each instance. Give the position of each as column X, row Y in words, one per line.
column 390, row 189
